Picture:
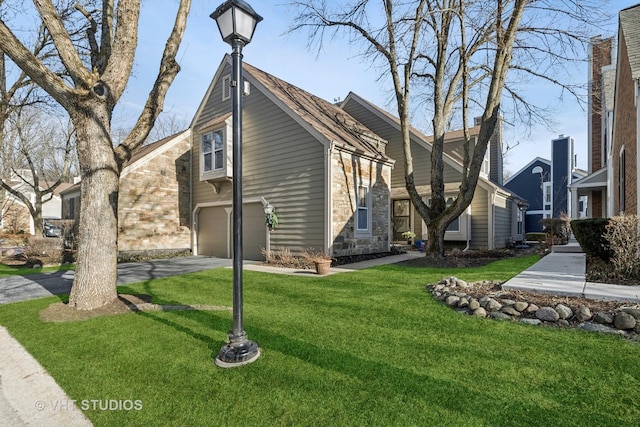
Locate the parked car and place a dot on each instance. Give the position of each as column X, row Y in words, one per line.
column 49, row 229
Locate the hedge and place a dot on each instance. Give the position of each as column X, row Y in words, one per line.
column 589, row 232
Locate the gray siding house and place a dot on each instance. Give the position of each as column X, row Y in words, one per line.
column 495, row 216
column 326, row 174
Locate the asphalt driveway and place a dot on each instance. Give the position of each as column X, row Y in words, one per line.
column 21, row 288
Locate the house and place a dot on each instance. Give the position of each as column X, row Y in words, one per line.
column 154, row 198
column 614, row 135
column 545, row 185
column 495, row 217
column 327, row 176
column 16, row 216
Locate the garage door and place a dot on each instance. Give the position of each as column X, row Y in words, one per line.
column 214, row 232
column 213, row 225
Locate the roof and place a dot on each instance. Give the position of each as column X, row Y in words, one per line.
column 630, row 26
column 328, row 119
column 527, row 166
column 449, row 137
column 146, row 149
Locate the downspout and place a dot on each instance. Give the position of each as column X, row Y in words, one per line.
column 328, row 222
column 468, row 229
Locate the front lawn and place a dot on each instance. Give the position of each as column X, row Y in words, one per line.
column 364, row 348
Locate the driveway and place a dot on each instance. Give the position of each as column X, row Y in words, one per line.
column 21, row 288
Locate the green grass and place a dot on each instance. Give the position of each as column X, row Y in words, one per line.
column 6, row 271
column 364, row 348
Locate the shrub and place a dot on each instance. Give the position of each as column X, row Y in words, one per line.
column 558, row 229
column 539, row 237
column 44, row 250
column 285, row 258
column 590, row 234
column 624, row 240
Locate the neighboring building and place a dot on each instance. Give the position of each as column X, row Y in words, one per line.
column 154, row 198
column 16, row 216
column 614, row 135
column 326, row 174
column 545, row 185
column 495, row 216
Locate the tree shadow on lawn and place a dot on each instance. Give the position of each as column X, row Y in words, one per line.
column 462, row 397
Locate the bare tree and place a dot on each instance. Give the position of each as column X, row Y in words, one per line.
column 98, row 74
column 38, row 154
column 456, row 54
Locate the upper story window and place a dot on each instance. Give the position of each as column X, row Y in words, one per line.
column 226, row 87
column 486, row 164
column 362, row 216
column 215, row 152
column 213, row 148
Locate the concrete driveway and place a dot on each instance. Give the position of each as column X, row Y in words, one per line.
column 21, row 288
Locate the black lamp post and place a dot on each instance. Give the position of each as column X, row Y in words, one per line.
column 237, row 21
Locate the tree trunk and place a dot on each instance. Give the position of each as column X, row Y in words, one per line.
column 95, row 279
column 435, row 241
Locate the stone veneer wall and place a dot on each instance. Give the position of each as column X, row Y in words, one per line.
column 345, row 169
column 153, row 205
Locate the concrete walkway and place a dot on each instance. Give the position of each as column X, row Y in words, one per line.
column 562, row 272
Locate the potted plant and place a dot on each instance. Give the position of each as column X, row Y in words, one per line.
column 321, row 260
column 409, row 235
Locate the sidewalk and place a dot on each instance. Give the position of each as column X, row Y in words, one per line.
column 562, row 272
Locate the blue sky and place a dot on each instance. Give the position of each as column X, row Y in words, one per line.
column 330, row 74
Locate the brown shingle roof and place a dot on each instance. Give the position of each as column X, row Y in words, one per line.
column 630, row 26
column 146, row 149
column 326, row 118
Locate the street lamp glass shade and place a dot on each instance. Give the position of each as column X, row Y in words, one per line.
column 236, row 21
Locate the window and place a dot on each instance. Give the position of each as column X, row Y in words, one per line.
column 401, row 218
column 226, row 87
column 362, row 218
column 213, row 151
column 622, row 184
column 520, row 222
column 455, row 224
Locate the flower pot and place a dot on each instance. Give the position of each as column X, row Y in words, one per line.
column 323, row 266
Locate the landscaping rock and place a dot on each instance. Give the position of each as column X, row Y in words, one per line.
column 480, row 312
column 596, row 327
column 564, row 323
column 507, row 302
column 547, row 314
column 464, row 302
column 583, row 313
column 511, row 311
column 531, row 321
column 603, row 318
column 473, row 304
column 493, row 305
column 564, row 311
column 624, row 321
column 521, row 306
column 532, row 308
column 635, row 312
column 452, row 300
column 499, row 315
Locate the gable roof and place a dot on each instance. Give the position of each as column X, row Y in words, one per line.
column 527, row 166
column 423, row 140
column 328, row 120
column 630, row 26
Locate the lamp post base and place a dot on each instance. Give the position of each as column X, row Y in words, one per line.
column 237, row 353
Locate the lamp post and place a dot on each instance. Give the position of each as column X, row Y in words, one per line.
column 237, row 21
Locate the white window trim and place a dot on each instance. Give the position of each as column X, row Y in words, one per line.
column 224, row 172
column 226, row 87
column 368, row 231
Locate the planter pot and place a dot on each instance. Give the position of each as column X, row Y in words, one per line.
column 323, row 266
